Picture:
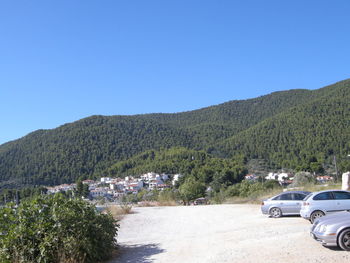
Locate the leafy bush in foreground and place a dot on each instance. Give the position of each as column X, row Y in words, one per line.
column 55, row 229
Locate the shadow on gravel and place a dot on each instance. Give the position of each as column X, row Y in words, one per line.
column 285, row 216
column 137, row 253
column 335, row 249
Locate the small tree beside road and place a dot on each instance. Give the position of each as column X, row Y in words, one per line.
column 191, row 189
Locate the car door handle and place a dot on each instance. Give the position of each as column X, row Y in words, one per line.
column 281, row 203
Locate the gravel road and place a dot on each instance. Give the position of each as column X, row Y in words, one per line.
column 218, row 233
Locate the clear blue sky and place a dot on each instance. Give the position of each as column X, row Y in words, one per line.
column 65, row 60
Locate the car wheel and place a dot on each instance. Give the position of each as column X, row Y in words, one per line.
column 344, row 240
column 315, row 215
column 275, row 212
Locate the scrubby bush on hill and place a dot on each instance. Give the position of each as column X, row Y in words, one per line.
column 248, row 189
column 55, row 229
column 302, row 179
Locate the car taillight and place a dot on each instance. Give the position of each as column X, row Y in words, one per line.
column 306, row 203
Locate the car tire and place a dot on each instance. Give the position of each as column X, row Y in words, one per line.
column 316, row 214
column 275, row 212
column 344, row 240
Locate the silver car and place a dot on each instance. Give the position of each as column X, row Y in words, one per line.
column 333, row 230
column 286, row 203
column 321, row 203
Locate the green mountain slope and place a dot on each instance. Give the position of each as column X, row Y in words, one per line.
column 208, row 125
column 310, row 132
column 281, row 126
column 82, row 148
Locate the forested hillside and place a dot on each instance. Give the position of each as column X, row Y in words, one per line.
column 307, row 135
column 208, row 125
column 83, row 148
column 291, row 129
column 204, row 167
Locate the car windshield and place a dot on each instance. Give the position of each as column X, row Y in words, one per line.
column 307, row 197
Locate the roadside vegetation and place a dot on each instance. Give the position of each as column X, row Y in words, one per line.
column 119, row 211
column 55, row 229
column 246, row 192
column 243, row 192
column 256, row 192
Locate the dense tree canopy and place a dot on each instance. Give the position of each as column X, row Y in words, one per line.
column 205, row 168
column 304, row 137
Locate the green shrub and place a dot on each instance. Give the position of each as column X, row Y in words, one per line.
column 55, row 229
column 303, row 179
column 218, row 197
column 250, row 189
column 191, row 189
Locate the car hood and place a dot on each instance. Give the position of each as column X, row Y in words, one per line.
column 333, row 218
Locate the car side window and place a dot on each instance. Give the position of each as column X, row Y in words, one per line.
column 277, row 197
column 341, row 195
column 299, row 196
column 286, row 197
column 323, row 196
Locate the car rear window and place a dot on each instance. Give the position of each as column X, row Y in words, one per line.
column 324, row 196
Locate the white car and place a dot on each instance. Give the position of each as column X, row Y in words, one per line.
column 333, row 230
column 321, row 203
column 285, row 203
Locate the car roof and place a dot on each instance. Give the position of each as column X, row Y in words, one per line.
column 292, row 192
column 330, row 190
column 296, row 192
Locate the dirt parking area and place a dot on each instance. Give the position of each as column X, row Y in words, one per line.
column 218, row 233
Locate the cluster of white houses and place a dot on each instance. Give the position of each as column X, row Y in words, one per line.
column 285, row 178
column 118, row 187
